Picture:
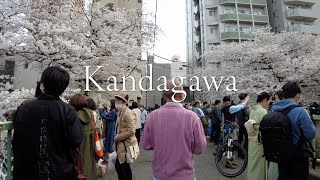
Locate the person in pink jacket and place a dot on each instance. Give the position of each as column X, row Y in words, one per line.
column 175, row 134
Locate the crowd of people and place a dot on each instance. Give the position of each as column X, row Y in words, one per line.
column 54, row 140
column 258, row 168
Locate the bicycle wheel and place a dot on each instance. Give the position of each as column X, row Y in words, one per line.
column 222, row 140
column 235, row 164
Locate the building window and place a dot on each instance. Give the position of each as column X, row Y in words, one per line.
column 213, row 30
column 227, row 10
column 229, row 28
column 139, row 1
column 180, row 68
column 212, row 13
column 274, row 15
column 26, row 65
column 241, row 11
column 243, row 29
column 256, row 12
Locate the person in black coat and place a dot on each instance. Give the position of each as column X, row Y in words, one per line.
column 216, row 120
column 46, row 132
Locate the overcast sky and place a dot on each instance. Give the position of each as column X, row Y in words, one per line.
column 171, row 17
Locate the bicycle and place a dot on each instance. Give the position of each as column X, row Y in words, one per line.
column 231, row 157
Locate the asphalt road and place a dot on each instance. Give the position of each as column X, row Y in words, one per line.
column 205, row 167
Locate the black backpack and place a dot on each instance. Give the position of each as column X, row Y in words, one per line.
column 276, row 137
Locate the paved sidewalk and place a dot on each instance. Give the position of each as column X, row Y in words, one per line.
column 205, row 167
column 315, row 173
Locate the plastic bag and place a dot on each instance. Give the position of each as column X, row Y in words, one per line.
column 112, row 161
column 101, row 168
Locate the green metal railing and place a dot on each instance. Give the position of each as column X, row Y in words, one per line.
column 244, row 17
column 233, row 17
column 259, row 2
column 234, row 35
column 8, row 126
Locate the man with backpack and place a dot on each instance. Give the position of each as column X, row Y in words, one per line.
column 285, row 134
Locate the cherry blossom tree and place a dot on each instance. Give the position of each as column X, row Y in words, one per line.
column 11, row 100
column 269, row 60
column 57, row 33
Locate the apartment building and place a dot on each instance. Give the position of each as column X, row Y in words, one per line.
column 213, row 22
column 294, row 15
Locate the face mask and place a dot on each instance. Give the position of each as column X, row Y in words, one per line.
column 130, row 104
column 118, row 106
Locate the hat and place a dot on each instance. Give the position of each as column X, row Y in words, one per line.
column 122, row 95
column 226, row 98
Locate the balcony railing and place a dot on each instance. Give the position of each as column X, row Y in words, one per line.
column 302, row 28
column 213, row 21
column 303, row 3
column 259, row 2
column 260, row 19
column 301, row 14
column 234, row 36
column 211, row 4
column 231, row 17
column 243, row 2
column 213, row 39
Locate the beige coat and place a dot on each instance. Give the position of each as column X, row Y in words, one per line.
column 125, row 132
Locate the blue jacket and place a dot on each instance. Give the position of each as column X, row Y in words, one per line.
column 299, row 117
column 111, row 118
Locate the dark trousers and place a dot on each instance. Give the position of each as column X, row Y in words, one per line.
column 243, row 139
column 138, row 135
column 243, row 134
column 294, row 169
column 215, row 133
column 123, row 170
